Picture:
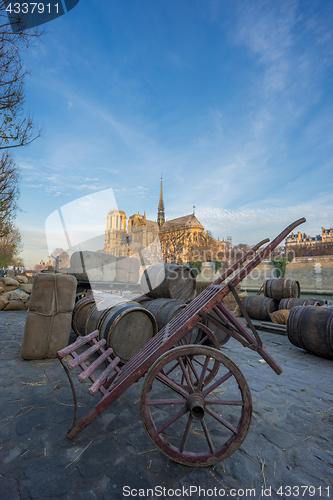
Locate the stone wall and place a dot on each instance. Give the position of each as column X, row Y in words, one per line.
column 315, row 274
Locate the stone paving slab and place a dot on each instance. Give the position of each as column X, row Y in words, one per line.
column 289, row 443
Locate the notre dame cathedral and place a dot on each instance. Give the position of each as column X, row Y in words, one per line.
column 177, row 240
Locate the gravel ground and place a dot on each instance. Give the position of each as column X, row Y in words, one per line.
column 287, row 453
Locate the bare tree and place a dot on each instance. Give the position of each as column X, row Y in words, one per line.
column 10, row 246
column 9, row 193
column 181, row 245
column 62, row 255
column 172, row 244
column 16, row 128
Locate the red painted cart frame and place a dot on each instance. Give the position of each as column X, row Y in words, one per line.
column 198, row 364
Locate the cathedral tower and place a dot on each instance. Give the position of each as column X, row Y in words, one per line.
column 160, row 212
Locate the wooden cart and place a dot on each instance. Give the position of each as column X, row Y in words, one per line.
column 196, row 404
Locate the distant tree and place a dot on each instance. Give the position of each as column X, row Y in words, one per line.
column 238, row 251
column 10, row 246
column 312, row 250
column 62, row 255
column 280, row 264
column 9, row 192
column 17, row 262
column 218, row 264
column 16, row 128
column 195, row 265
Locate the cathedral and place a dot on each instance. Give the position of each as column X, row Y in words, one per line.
column 178, row 240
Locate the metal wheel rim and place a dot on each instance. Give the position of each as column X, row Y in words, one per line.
column 179, row 454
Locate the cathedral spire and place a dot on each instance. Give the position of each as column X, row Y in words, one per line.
column 160, row 212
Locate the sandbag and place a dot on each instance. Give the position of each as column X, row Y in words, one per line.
column 7, row 289
column 133, row 276
column 229, row 300
column 95, row 274
column 122, row 276
column 21, row 279
column 85, row 260
column 109, row 272
column 108, row 259
column 10, row 282
column 280, row 317
column 128, row 263
column 53, row 293
column 237, row 312
column 15, row 305
column 26, row 287
column 48, row 322
column 3, row 302
column 45, row 335
column 17, row 295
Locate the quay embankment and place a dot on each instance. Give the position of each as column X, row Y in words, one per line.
column 314, row 274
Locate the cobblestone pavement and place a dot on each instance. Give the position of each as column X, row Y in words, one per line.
column 289, row 444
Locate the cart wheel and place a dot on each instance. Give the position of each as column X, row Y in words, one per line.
column 206, row 335
column 199, row 335
column 197, row 425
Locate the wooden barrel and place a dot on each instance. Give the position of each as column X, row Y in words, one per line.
column 164, row 310
column 127, row 327
column 319, row 302
column 169, row 281
column 80, row 311
column 281, row 288
column 136, row 297
column 311, row 328
column 96, row 314
column 259, row 307
column 290, row 303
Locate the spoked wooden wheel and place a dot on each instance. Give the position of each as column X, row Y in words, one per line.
column 203, row 333
column 196, row 425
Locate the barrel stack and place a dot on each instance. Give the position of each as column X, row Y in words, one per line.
column 171, row 281
column 259, row 307
column 124, row 324
column 309, row 325
column 281, row 288
column 311, row 328
column 130, row 320
column 290, row 303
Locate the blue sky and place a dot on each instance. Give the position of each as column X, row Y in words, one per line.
column 230, row 100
